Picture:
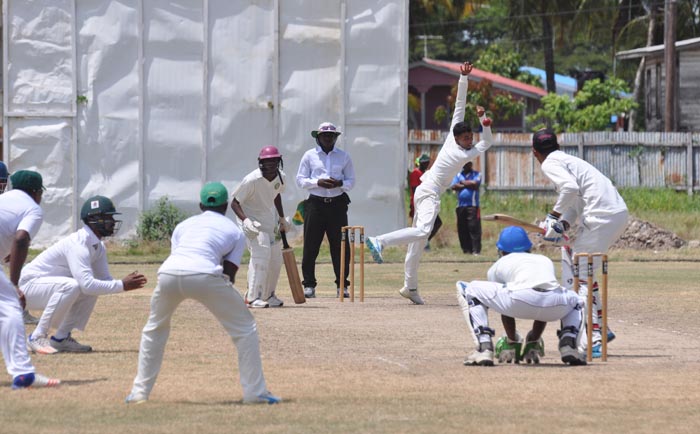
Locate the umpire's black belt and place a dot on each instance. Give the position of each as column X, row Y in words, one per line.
column 335, row 199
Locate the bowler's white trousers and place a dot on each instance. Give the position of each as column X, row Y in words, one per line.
column 13, row 341
column 218, row 295
column 427, row 207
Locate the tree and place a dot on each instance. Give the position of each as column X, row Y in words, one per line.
column 505, row 63
column 590, row 110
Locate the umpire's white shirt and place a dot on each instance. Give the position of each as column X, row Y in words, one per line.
column 257, row 198
column 81, row 256
column 524, row 271
column 18, row 211
column 575, row 180
column 199, row 244
column 316, row 164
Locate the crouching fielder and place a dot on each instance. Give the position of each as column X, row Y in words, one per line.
column 520, row 285
column 205, row 254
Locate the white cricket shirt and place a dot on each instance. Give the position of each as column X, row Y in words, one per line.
column 316, row 164
column 453, row 157
column 82, row 256
column 576, row 179
column 201, row 243
column 257, row 198
column 18, row 211
column 524, row 271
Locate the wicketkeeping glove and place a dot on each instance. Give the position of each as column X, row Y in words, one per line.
column 251, row 228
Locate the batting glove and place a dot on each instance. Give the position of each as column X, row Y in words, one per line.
column 251, row 228
column 284, row 225
column 553, row 229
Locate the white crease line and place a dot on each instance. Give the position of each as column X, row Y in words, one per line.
column 401, row 365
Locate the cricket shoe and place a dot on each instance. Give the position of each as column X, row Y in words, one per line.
column 265, row 398
column 597, row 349
column 375, row 248
column 28, row 318
column 346, row 294
column 310, row 292
column 34, row 380
column 40, row 345
column 69, row 345
column 480, row 358
column 508, row 351
column 136, row 398
column 533, row 351
column 258, row 304
column 273, row 301
column 569, row 353
column 411, row 294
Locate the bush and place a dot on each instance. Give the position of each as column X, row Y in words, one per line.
column 158, row 223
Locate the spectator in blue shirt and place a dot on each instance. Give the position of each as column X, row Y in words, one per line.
column 466, row 184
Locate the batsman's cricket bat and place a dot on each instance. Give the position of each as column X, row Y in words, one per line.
column 512, row 221
column 290, row 264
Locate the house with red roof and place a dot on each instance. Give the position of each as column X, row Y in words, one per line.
column 431, row 81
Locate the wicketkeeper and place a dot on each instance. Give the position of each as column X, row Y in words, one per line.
column 520, row 285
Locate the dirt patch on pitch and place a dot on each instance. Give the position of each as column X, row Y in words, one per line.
column 641, row 234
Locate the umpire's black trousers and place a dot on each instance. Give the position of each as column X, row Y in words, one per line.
column 324, row 216
column 469, row 228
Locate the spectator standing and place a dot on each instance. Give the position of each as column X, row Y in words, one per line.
column 466, row 183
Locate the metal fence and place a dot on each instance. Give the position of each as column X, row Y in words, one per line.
column 670, row 160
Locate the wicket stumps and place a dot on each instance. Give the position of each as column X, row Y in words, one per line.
column 589, row 301
column 348, row 233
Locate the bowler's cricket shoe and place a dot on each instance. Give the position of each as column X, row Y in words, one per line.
column 533, row 351
column 136, row 398
column 480, row 358
column 34, row 380
column 411, row 294
column 569, row 353
column 310, row 292
column 265, row 398
column 508, row 351
column 346, row 294
column 69, row 345
column 375, row 248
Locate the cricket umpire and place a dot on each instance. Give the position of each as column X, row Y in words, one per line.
column 328, row 174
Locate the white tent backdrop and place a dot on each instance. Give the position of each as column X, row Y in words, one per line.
column 138, row 99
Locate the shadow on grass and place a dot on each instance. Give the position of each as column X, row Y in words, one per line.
column 228, row 403
column 64, row 382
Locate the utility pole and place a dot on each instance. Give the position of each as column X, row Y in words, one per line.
column 425, row 42
column 670, row 65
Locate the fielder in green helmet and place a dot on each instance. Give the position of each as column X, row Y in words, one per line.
column 65, row 280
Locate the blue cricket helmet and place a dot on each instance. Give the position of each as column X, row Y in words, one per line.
column 514, row 239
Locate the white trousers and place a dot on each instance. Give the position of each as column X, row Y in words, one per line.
column 476, row 297
column 594, row 235
column 218, row 295
column 427, row 207
column 13, row 341
column 65, row 307
column 264, row 267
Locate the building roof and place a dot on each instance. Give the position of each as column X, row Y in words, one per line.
column 565, row 85
column 653, row 50
column 477, row 75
